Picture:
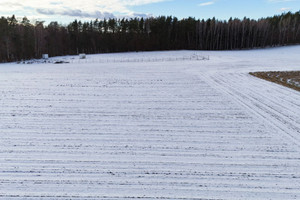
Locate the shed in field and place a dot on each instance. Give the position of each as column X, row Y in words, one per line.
column 45, row 56
column 82, row 56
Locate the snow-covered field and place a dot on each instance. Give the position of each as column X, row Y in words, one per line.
column 177, row 129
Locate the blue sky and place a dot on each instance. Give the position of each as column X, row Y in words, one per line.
column 221, row 9
column 65, row 11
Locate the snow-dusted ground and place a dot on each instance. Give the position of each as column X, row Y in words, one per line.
column 184, row 129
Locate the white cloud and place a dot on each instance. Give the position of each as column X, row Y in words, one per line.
column 75, row 13
column 206, row 3
column 10, row 6
column 74, row 8
column 278, row 1
column 284, row 9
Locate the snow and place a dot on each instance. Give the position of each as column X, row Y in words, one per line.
column 169, row 129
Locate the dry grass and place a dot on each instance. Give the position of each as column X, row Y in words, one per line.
column 289, row 79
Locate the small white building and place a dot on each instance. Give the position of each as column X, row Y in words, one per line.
column 45, row 56
column 82, row 56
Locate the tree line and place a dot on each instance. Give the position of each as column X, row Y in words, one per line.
column 21, row 39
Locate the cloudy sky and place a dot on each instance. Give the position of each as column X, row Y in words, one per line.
column 65, row 11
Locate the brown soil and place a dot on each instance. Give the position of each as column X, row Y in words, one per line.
column 289, row 79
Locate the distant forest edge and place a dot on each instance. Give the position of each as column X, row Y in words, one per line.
column 23, row 40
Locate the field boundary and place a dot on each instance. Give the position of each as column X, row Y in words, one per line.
column 75, row 60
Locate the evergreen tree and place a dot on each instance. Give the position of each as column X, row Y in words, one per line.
column 23, row 40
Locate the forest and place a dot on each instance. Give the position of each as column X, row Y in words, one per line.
column 21, row 40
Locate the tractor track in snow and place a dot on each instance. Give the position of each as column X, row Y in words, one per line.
column 285, row 117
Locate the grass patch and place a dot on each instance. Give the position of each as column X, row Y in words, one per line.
column 289, row 79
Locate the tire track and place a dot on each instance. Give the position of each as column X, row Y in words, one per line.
column 287, row 125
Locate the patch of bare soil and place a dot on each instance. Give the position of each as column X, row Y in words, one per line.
column 289, row 79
